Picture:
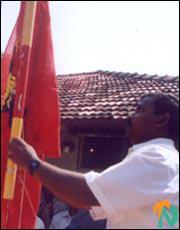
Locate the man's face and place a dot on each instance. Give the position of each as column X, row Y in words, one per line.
column 142, row 124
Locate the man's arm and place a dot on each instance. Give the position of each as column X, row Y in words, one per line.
column 70, row 187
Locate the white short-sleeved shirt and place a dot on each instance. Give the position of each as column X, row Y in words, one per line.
column 127, row 191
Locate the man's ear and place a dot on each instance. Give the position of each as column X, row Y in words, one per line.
column 162, row 120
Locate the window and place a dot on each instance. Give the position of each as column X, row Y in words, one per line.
column 101, row 152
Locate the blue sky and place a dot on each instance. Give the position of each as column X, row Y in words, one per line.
column 129, row 36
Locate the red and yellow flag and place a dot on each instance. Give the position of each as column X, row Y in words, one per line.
column 29, row 93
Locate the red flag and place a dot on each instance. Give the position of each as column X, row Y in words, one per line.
column 41, row 119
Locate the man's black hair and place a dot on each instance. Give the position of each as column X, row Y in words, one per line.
column 167, row 103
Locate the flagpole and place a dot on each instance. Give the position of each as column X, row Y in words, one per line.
column 19, row 106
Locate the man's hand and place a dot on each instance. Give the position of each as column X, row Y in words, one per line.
column 21, row 153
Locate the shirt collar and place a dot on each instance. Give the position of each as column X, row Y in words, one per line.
column 164, row 141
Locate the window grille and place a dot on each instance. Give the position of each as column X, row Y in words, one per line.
column 101, row 152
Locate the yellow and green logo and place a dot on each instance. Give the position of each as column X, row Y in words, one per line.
column 165, row 210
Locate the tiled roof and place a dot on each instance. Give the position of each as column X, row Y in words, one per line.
column 104, row 94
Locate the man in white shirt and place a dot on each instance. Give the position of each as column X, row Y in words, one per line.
column 129, row 193
column 62, row 219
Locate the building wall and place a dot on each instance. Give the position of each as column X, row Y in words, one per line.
column 68, row 159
